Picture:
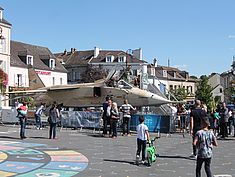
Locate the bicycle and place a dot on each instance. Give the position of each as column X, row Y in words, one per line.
column 151, row 152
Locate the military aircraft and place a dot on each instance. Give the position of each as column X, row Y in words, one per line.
column 94, row 94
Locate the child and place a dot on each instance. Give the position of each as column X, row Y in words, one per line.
column 114, row 119
column 204, row 140
column 142, row 137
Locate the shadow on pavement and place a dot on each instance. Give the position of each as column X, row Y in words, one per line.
column 175, row 157
column 120, row 161
column 96, row 135
column 225, row 139
column 9, row 137
column 38, row 137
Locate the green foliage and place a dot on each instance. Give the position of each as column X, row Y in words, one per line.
column 180, row 93
column 193, row 77
column 204, row 92
column 228, row 92
column 92, row 74
column 30, row 102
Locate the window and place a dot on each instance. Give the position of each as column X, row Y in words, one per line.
column 134, row 72
column 52, row 63
column 53, row 80
column 109, row 58
column 221, row 90
column 164, row 73
column 122, row 59
column 29, row 60
column 19, row 81
column 61, row 81
column 171, row 87
column 2, row 45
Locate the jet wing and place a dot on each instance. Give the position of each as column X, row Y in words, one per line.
column 27, row 91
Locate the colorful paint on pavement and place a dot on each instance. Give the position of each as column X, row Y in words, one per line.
column 29, row 159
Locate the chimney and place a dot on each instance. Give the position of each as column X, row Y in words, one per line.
column 96, row 52
column 137, row 53
column 65, row 52
column 1, row 13
column 73, row 50
column 155, row 62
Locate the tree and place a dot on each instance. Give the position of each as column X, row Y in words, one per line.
column 92, row 74
column 229, row 94
column 3, row 81
column 180, row 93
column 204, row 91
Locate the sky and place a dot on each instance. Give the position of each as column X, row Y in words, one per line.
column 194, row 35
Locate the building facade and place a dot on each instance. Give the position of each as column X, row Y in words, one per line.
column 34, row 67
column 228, row 83
column 167, row 79
column 217, row 89
column 77, row 62
column 5, row 34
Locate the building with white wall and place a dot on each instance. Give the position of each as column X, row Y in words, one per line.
column 167, row 79
column 34, row 67
column 76, row 62
column 5, row 35
column 217, row 89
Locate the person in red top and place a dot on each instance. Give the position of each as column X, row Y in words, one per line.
column 22, row 115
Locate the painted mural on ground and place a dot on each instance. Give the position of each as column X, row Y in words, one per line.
column 29, row 159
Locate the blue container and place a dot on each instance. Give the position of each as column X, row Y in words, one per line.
column 155, row 123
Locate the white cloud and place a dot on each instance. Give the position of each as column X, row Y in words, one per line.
column 231, row 36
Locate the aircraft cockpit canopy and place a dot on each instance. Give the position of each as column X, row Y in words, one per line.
column 123, row 84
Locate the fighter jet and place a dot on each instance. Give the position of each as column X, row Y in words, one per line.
column 94, row 94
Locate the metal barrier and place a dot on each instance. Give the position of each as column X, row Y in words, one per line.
column 81, row 119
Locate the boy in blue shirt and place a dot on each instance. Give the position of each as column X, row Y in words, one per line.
column 204, row 141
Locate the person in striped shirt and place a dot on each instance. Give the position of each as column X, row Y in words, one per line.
column 126, row 110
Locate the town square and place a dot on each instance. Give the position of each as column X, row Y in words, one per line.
column 126, row 89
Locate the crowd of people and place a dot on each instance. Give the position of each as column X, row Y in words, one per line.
column 204, row 125
column 111, row 117
column 222, row 119
column 53, row 117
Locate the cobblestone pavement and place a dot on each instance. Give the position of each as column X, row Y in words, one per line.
column 86, row 153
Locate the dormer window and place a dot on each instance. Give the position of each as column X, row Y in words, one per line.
column 122, row 59
column 29, row 60
column 52, row 63
column 109, row 58
column 164, row 73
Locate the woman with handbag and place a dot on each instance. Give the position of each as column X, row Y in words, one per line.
column 114, row 119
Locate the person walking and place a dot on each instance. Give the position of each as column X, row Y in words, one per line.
column 142, row 138
column 114, row 119
column 204, row 140
column 22, row 115
column 38, row 114
column 106, row 114
column 53, row 118
column 126, row 110
column 195, row 123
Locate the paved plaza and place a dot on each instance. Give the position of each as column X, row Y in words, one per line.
column 87, row 153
